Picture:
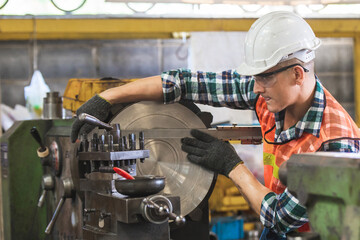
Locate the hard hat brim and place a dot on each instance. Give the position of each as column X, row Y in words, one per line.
column 246, row 70
column 304, row 55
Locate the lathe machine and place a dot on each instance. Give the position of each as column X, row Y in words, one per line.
column 53, row 189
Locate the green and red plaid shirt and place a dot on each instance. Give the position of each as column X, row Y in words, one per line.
column 281, row 213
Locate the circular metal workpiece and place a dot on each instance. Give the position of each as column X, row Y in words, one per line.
column 184, row 179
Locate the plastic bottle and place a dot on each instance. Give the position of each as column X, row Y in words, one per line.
column 35, row 93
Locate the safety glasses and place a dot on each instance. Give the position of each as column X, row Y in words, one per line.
column 268, row 79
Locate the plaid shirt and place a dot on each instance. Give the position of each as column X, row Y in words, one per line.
column 281, row 213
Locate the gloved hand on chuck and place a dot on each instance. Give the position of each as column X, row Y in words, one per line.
column 210, row 152
column 95, row 106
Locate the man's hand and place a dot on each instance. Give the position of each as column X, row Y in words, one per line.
column 95, row 106
column 210, row 152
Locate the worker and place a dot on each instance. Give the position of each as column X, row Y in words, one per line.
column 277, row 80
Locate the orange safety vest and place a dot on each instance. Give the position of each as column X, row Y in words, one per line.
column 336, row 125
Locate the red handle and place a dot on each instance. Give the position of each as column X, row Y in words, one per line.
column 123, row 173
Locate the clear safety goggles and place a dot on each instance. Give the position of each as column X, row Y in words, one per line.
column 268, row 79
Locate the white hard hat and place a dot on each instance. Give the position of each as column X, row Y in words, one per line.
column 275, row 37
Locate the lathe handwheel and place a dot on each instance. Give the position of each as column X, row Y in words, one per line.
column 151, row 212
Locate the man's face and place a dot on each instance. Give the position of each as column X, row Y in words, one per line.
column 278, row 87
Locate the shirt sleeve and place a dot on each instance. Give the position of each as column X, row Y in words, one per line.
column 282, row 213
column 222, row 89
column 342, row 145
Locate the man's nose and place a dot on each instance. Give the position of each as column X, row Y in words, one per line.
column 258, row 89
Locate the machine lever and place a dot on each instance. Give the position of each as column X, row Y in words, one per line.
column 178, row 219
column 42, row 198
column 94, row 121
column 47, row 184
column 163, row 210
column 34, row 132
column 68, row 193
column 54, row 217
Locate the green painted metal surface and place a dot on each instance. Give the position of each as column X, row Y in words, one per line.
column 328, row 184
column 21, row 182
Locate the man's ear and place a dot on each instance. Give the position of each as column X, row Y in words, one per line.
column 299, row 75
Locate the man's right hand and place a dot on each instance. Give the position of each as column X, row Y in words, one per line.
column 95, row 106
column 210, row 152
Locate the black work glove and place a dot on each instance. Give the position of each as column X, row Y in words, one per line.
column 210, row 152
column 95, row 106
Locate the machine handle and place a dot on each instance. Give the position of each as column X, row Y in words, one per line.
column 123, row 173
column 47, row 184
column 178, row 219
column 164, row 211
column 94, row 121
column 68, row 193
column 42, row 198
column 54, row 217
column 34, row 132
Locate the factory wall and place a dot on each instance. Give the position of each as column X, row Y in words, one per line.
column 335, row 68
column 61, row 60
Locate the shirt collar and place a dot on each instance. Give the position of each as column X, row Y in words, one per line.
column 310, row 123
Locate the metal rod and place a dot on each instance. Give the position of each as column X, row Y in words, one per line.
column 223, row 133
column 42, row 198
column 54, row 217
column 94, row 121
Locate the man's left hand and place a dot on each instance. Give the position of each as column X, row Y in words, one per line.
column 210, row 152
